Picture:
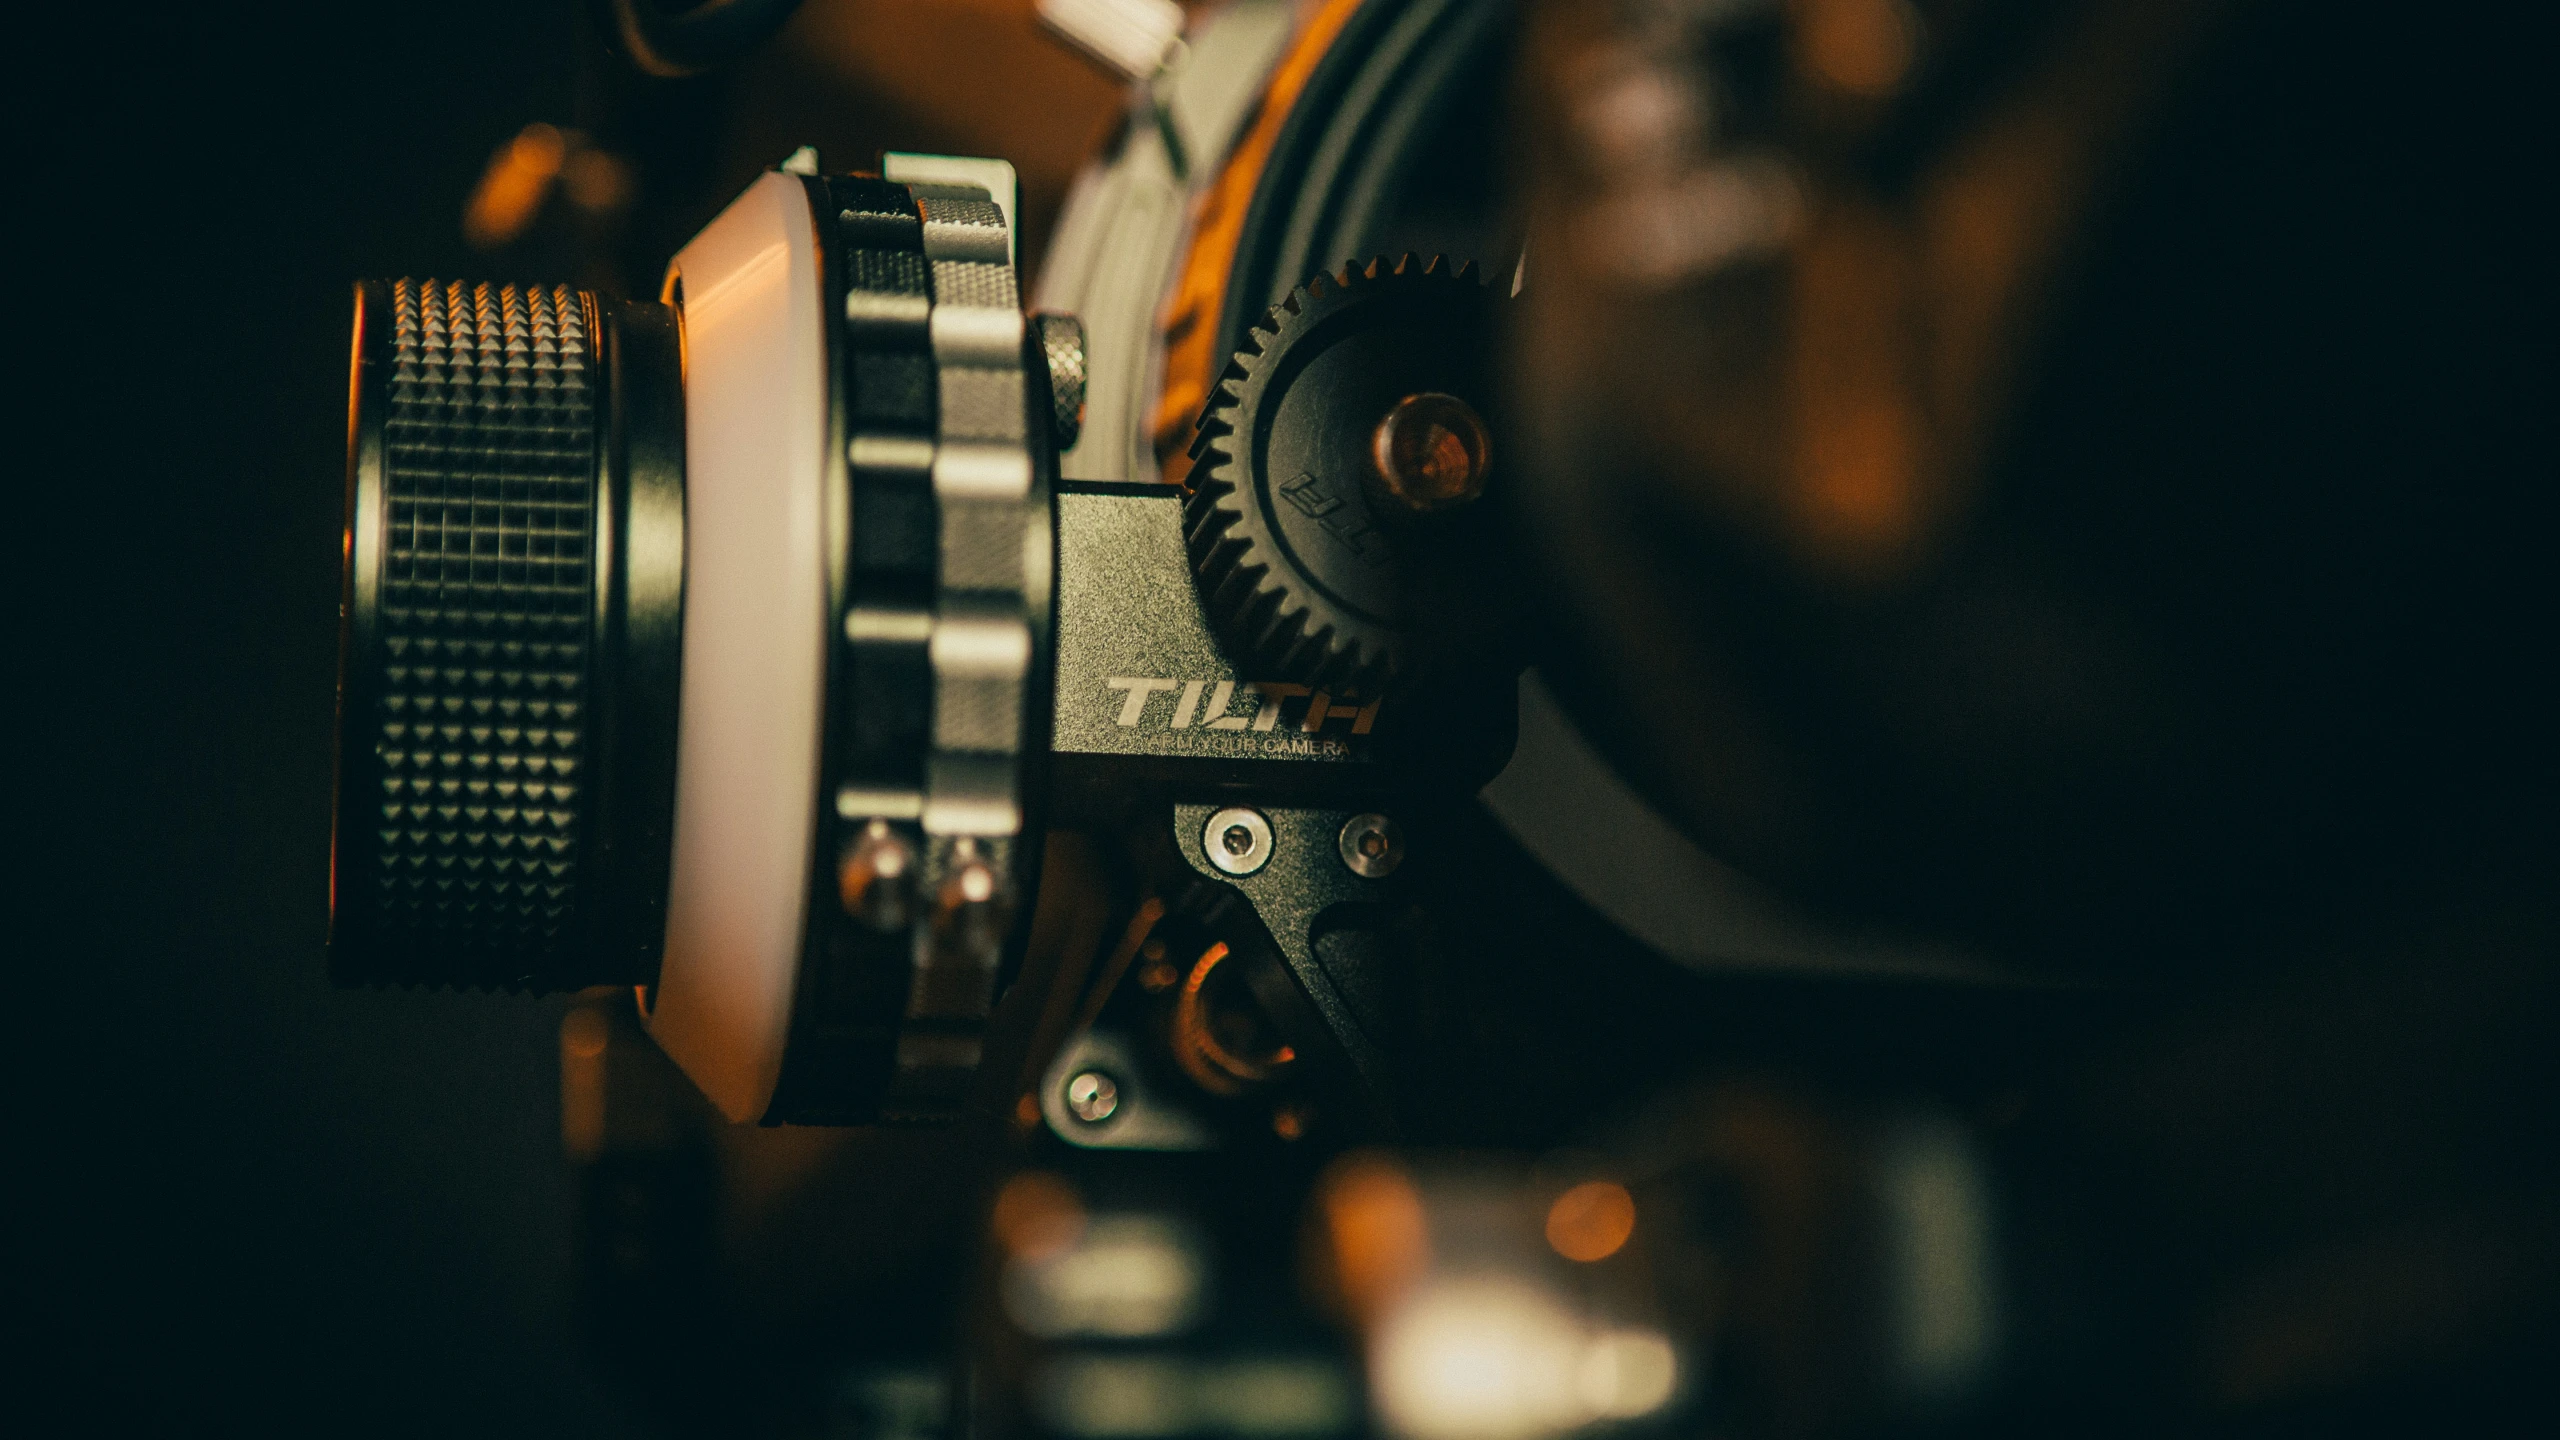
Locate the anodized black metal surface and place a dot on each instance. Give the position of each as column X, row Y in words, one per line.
column 882, row 542
column 1130, row 624
column 639, row 659
column 880, row 549
column 511, row 606
column 1302, row 894
column 1353, row 142
column 1129, row 619
column 1302, row 568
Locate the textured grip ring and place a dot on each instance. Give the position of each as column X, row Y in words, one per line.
column 488, row 593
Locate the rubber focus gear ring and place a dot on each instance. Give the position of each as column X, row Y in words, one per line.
column 1292, row 565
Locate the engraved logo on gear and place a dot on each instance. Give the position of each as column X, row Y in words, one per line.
column 1342, row 520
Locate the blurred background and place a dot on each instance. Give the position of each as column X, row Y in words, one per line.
column 276, row 1204
column 260, row 1201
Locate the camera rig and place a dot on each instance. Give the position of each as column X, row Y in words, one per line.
column 1096, row 764
column 757, row 686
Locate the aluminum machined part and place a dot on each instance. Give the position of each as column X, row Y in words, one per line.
column 994, row 558
column 1062, row 345
column 941, row 589
column 1237, row 840
column 1130, row 38
column 1115, row 246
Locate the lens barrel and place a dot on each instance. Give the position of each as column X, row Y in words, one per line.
column 512, row 613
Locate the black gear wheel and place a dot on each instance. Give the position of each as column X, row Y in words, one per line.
column 1293, row 565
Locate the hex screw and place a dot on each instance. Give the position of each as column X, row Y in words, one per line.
column 1237, row 840
column 1372, row 846
column 1092, row 1096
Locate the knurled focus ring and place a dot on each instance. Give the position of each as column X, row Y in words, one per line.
column 483, row 628
column 1062, row 346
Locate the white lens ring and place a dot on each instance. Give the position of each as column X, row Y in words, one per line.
column 756, row 415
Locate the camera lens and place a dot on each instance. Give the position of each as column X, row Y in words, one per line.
column 511, row 620
column 813, row 486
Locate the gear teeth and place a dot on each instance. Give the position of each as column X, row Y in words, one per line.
column 1255, row 601
column 1213, row 425
column 1208, row 525
column 1226, row 390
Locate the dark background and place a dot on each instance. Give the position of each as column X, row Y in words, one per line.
column 260, row 1200
column 269, row 1202
column 257, row 1200
column 285, row 1205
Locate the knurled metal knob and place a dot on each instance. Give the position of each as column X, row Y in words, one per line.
column 486, row 597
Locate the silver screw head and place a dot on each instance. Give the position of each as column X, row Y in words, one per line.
column 1372, row 846
column 970, row 910
column 1092, row 1096
column 1238, row 840
column 876, row 879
